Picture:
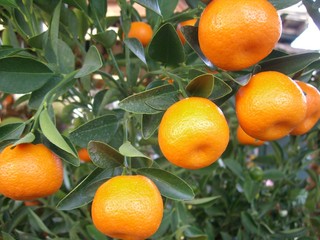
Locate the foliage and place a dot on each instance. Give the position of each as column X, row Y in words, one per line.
column 56, row 55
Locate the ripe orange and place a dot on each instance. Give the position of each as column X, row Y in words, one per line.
column 127, row 207
column 29, row 171
column 84, row 155
column 190, row 22
column 193, row 133
column 237, row 34
column 245, row 139
column 270, row 106
column 313, row 109
column 142, row 31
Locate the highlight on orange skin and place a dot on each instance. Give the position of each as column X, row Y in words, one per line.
column 84, row 155
column 190, row 22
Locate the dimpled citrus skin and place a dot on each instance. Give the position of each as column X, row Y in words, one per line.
column 190, row 22
column 236, row 34
column 313, row 109
column 127, row 207
column 245, row 139
column 29, row 171
column 142, row 31
column 270, row 106
column 193, row 133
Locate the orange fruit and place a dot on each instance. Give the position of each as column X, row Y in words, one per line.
column 270, row 106
column 245, row 139
column 84, row 155
column 9, row 100
column 141, row 31
column 32, row 203
column 190, row 22
column 193, row 133
column 127, row 207
column 313, row 109
column 29, row 171
column 237, row 34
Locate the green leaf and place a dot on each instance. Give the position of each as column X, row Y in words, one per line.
column 66, row 156
column 150, row 4
column 84, row 192
column 220, row 89
column 290, row 234
column 290, row 64
column 98, row 10
column 136, row 47
column 107, row 38
column 92, row 62
column 249, row 223
column 8, row 3
column 66, row 59
column 201, row 86
column 6, row 236
column 11, row 131
column 163, row 101
column 235, row 167
column 22, row 75
column 52, row 134
column 37, row 220
column 99, row 129
column 250, row 189
column 274, row 174
column 137, row 103
column 6, row 51
column 128, row 150
column 280, row 4
column 313, row 10
column 169, row 185
column 191, row 35
column 28, row 138
column 206, row 201
column 104, row 156
column 165, row 46
column 150, row 123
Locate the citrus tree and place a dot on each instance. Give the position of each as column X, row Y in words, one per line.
column 125, row 108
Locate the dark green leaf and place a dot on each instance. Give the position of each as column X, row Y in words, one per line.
column 280, row 4
column 249, row 223
column 234, row 166
column 150, row 123
column 9, row 51
column 99, row 129
column 220, row 89
column 37, row 220
column 165, row 46
column 73, row 159
column 169, row 185
column 191, row 35
column 104, row 156
column 290, row 234
column 167, row 7
column 274, row 174
column 107, row 38
column 8, row 3
column 84, row 192
column 250, row 189
column 150, row 4
column 290, row 64
column 201, row 86
column 92, row 62
column 313, row 11
column 162, row 102
column 66, row 59
column 137, row 103
column 38, row 95
column 52, row 134
column 11, row 131
column 98, row 10
column 22, row 75
column 6, row 236
column 136, row 47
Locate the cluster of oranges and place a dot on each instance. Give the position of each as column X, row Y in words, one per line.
column 193, row 133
